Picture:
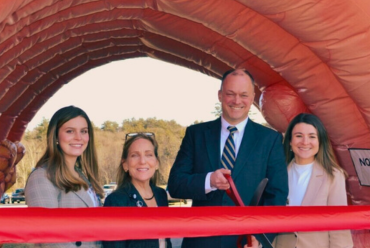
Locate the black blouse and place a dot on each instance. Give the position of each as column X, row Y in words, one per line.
column 128, row 196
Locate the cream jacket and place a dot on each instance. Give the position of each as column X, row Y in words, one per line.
column 321, row 191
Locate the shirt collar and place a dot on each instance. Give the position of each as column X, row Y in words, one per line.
column 240, row 126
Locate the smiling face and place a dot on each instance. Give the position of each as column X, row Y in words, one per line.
column 304, row 143
column 236, row 97
column 141, row 161
column 73, row 138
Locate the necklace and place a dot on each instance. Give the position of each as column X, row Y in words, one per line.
column 148, row 199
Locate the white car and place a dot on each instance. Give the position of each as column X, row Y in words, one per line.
column 108, row 188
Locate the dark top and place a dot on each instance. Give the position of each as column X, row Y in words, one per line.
column 128, row 196
column 260, row 156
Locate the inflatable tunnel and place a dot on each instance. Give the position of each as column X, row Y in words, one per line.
column 306, row 56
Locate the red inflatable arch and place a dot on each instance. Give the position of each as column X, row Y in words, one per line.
column 310, row 56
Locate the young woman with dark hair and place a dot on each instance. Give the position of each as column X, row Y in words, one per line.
column 315, row 179
column 66, row 176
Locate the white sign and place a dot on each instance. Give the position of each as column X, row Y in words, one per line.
column 361, row 161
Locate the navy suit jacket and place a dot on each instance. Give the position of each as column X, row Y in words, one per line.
column 260, row 156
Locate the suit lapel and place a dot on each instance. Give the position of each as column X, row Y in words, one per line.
column 212, row 137
column 314, row 185
column 246, row 146
column 158, row 197
column 136, row 198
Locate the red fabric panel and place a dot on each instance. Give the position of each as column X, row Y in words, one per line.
column 37, row 225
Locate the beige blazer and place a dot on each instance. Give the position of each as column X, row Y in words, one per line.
column 41, row 192
column 321, row 191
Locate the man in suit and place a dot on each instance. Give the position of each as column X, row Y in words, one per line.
column 198, row 173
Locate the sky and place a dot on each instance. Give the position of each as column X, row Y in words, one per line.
column 138, row 88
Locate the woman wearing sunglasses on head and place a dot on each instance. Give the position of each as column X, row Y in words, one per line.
column 136, row 184
column 66, row 176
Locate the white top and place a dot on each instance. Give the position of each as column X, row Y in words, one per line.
column 299, row 177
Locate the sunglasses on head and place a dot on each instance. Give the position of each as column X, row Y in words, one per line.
column 130, row 135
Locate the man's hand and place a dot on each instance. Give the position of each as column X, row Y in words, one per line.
column 218, row 179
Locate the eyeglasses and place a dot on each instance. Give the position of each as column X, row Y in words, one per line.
column 130, row 135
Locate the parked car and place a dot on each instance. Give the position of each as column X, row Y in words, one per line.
column 108, row 188
column 18, row 196
column 5, row 199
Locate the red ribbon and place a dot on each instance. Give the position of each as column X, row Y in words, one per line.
column 233, row 193
column 36, row 225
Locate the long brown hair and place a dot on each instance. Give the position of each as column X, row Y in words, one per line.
column 123, row 177
column 325, row 156
column 54, row 160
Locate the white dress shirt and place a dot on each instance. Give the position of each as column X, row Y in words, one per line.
column 238, row 137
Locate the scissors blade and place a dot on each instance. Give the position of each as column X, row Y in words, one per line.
column 254, row 202
column 258, row 192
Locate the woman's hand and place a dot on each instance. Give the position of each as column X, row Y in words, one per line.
column 255, row 243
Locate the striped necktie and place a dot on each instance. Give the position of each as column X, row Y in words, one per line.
column 228, row 155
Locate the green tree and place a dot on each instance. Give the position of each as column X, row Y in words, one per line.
column 196, row 122
column 110, row 126
column 42, row 129
column 109, row 146
column 218, row 110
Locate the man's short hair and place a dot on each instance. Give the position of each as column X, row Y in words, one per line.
column 233, row 70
